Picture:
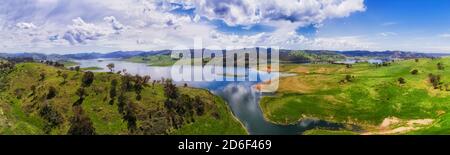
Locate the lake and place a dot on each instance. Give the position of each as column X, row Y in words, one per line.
column 241, row 96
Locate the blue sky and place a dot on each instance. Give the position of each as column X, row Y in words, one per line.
column 66, row 26
column 415, row 25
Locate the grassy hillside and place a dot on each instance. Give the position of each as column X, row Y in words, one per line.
column 153, row 60
column 309, row 56
column 37, row 100
column 367, row 95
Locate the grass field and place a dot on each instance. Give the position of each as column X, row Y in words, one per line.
column 19, row 105
column 70, row 63
column 373, row 98
column 91, row 68
column 154, row 60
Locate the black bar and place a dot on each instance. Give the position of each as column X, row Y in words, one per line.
column 135, row 144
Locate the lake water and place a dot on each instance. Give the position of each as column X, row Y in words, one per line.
column 241, row 97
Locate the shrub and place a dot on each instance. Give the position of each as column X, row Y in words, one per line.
column 42, row 77
column 112, row 91
column 51, row 92
column 435, row 80
column 440, row 66
column 87, row 79
column 80, row 124
column 52, row 116
column 401, row 80
column 349, row 78
column 64, row 76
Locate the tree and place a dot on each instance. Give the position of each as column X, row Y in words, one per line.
column 416, row 60
column 170, row 89
column 349, row 78
column 414, row 72
column 112, row 91
column 33, row 89
column 81, row 93
column 199, row 106
column 51, row 92
column 155, row 124
column 52, row 117
column 111, row 67
column 130, row 117
column 440, row 66
column 401, row 80
column 126, row 82
column 138, row 86
column 42, row 77
column 348, row 66
column 80, row 124
column 121, row 103
column 147, row 79
column 64, row 76
column 77, row 68
column 435, row 80
column 87, row 79
column 58, row 72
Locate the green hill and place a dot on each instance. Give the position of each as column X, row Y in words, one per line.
column 153, row 60
column 381, row 99
column 40, row 99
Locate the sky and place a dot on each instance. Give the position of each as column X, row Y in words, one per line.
column 73, row 26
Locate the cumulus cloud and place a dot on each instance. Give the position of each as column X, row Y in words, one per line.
column 23, row 25
column 53, row 25
column 81, row 31
column 116, row 25
column 387, row 34
column 238, row 12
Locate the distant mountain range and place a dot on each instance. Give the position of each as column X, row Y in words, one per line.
column 284, row 54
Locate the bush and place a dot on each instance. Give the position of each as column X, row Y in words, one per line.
column 80, row 124
column 77, row 68
column 414, row 72
column 435, row 80
column 64, row 76
column 130, row 117
column 112, row 91
column 42, row 77
column 51, row 92
column 155, row 124
column 52, row 116
column 87, row 79
column 440, row 66
column 401, row 80
column 349, row 78
column 170, row 89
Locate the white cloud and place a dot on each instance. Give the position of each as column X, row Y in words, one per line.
column 23, row 25
column 73, row 26
column 387, row 34
column 238, row 12
column 80, row 32
column 445, row 35
column 116, row 25
column 341, row 43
